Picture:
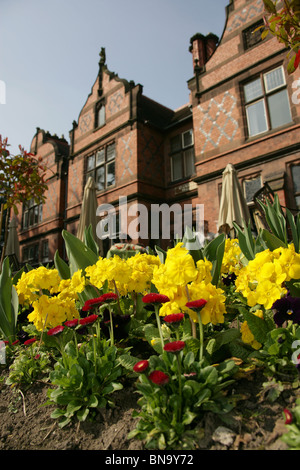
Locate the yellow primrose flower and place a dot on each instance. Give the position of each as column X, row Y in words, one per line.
column 52, row 311
column 214, row 309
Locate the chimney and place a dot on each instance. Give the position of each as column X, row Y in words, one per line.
column 202, row 48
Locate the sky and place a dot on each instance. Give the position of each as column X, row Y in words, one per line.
column 49, row 54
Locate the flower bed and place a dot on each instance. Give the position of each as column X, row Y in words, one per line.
column 183, row 329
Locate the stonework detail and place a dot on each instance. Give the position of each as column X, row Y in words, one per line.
column 217, row 121
column 115, row 103
column 245, row 15
column 85, row 123
column 126, row 156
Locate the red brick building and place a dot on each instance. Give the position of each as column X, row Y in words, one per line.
column 244, row 109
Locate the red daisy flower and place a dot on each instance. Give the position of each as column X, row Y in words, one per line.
column 55, row 331
column 29, row 341
column 141, row 366
column 90, row 303
column 158, row 377
column 71, row 323
column 89, row 319
column 174, row 317
column 110, row 296
column 196, row 304
column 174, row 346
column 155, row 298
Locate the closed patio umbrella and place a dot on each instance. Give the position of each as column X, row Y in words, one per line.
column 13, row 246
column 88, row 211
column 233, row 206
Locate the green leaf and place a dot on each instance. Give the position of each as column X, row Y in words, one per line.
column 271, row 240
column 128, row 361
column 90, row 241
column 61, row 266
column 214, row 252
column 269, row 6
column 258, row 326
column 9, row 303
column 80, row 256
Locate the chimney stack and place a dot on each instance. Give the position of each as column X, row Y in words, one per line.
column 202, row 48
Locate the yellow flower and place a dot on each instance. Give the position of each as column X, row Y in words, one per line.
column 30, row 284
column 247, row 336
column 214, row 310
column 52, row 311
column 231, row 262
column 204, row 268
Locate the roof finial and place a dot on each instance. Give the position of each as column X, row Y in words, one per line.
column 102, row 56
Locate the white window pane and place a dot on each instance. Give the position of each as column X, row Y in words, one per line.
column 90, row 162
column 279, row 109
column 101, row 116
column 111, row 152
column 100, row 156
column 253, row 90
column 256, row 116
column 274, row 79
column 110, row 174
column 298, row 202
column 177, row 167
column 187, row 138
column 189, row 166
column 100, row 178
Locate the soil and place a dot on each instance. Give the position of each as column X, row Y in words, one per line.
column 256, row 423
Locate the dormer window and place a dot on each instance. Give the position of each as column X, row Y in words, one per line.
column 100, row 114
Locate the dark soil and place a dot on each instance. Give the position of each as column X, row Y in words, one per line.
column 256, row 423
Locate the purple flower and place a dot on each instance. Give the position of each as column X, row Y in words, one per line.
column 287, row 308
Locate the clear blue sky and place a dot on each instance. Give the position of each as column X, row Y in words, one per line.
column 49, row 53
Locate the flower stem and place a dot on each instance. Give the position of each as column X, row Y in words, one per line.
column 111, row 328
column 201, row 336
column 159, row 325
column 180, row 387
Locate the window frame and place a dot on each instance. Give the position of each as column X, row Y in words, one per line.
column 264, row 97
column 182, row 151
column 250, row 30
column 295, row 193
column 103, row 164
column 36, row 253
column 29, row 208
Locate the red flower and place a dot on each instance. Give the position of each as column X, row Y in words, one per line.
column 288, row 416
column 87, row 320
column 29, row 341
column 174, row 346
column 196, row 304
column 55, row 331
column 155, row 299
column 174, row 317
column 89, row 304
column 141, row 366
column 158, row 377
column 110, row 296
column 71, row 323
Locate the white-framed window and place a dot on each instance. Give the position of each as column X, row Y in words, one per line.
column 182, row 155
column 266, row 102
column 32, row 214
column 101, row 166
